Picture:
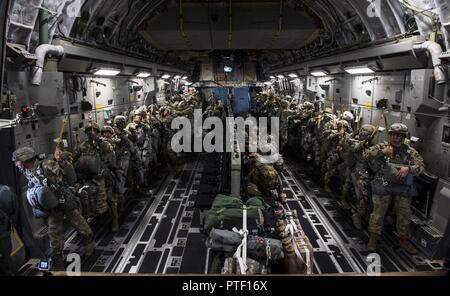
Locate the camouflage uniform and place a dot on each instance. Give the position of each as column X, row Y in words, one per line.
column 307, row 131
column 95, row 162
column 360, row 172
column 138, row 134
column 123, row 148
column 266, row 178
column 385, row 188
column 49, row 174
column 336, row 140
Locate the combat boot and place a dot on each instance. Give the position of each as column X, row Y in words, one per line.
column 89, row 247
column 357, row 221
column 407, row 245
column 373, row 241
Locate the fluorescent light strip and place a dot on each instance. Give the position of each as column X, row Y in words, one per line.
column 359, row 70
column 280, row 76
column 107, row 72
column 319, row 73
column 165, row 76
column 177, row 77
column 293, row 75
column 272, row 77
column 143, row 75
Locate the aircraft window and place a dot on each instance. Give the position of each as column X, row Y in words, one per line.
column 446, row 135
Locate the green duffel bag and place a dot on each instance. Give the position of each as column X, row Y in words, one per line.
column 224, row 201
column 232, row 217
column 227, row 211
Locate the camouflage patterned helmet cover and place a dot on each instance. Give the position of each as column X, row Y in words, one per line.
column 399, row 128
column 107, row 129
column 253, row 190
column 92, row 125
column 342, row 124
column 308, row 105
column 368, row 128
column 24, row 154
column 120, row 120
column 348, row 116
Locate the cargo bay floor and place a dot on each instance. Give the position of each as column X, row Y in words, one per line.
column 161, row 234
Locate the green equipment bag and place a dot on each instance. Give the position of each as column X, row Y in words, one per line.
column 227, row 210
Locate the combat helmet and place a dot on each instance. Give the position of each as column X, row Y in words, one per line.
column 343, row 124
column 308, row 105
column 24, row 154
column 399, row 128
column 91, row 126
column 366, row 131
column 368, row 128
column 120, row 121
column 347, row 116
column 107, row 129
column 253, row 190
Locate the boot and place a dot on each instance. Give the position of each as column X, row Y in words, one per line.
column 89, row 247
column 357, row 221
column 407, row 245
column 373, row 241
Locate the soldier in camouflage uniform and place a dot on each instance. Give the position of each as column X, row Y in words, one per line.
column 307, row 130
column 395, row 164
column 139, row 132
column 265, row 176
column 124, row 151
column 95, row 162
column 65, row 160
column 48, row 173
column 335, row 140
column 360, row 172
column 284, row 114
column 169, row 156
column 325, row 125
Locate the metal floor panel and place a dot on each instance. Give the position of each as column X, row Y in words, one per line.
column 160, row 234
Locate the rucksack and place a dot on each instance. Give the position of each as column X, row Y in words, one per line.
column 266, row 176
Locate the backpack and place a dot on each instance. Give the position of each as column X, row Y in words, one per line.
column 266, row 176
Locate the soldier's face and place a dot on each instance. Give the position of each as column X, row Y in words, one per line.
column 137, row 119
column 107, row 135
column 120, row 126
column 57, row 154
column 18, row 164
column 396, row 139
column 92, row 134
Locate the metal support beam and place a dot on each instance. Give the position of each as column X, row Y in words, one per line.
column 4, row 9
column 91, row 53
column 404, row 45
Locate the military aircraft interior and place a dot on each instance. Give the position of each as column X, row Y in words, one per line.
column 132, row 137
